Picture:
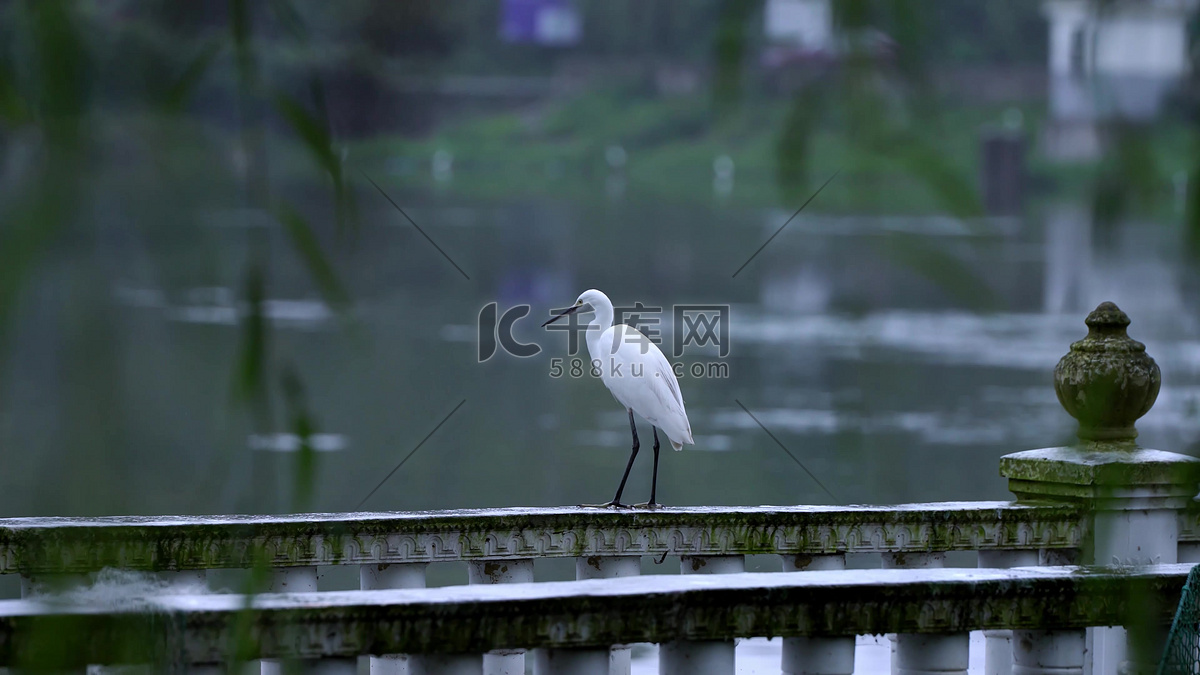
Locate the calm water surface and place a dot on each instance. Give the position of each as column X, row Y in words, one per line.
column 898, row 358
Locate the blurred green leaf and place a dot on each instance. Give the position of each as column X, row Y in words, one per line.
column 313, row 132
column 14, row 111
column 729, row 52
column 309, row 248
column 849, row 15
column 1128, row 176
column 794, row 144
column 252, row 352
column 239, row 28
column 302, row 425
column 28, row 231
column 952, row 274
column 908, row 29
column 179, row 92
column 291, row 20
column 954, row 187
column 243, row 643
column 1191, row 212
column 61, row 61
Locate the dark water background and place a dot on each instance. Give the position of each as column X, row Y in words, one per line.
column 891, row 386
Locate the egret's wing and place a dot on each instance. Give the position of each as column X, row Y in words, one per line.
column 662, row 377
column 645, row 382
column 662, row 369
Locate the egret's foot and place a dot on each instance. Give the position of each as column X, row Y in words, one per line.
column 610, row 505
column 647, row 505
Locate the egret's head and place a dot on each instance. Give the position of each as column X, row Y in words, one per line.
column 586, row 302
column 590, row 299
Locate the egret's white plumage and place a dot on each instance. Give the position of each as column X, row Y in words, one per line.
column 639, row 377
column 635, row 371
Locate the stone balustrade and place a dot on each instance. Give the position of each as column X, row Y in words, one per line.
column 1048, row 606
column 41, row 546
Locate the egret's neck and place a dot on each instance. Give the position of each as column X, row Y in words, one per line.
column 600, row 323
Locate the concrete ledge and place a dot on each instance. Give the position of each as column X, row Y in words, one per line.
column 37, row 546
column 595, row 613
column 1096, row 464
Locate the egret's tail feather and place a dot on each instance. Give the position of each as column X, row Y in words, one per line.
column 687, row 438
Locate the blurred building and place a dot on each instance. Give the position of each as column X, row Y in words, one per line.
column 802, row 37
column 545, row 22
column 1107, row 60
column 806, row 24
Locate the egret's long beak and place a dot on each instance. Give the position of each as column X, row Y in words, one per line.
column 570, row 310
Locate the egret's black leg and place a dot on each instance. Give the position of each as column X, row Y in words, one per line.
column 633, row 455
column 654, row 482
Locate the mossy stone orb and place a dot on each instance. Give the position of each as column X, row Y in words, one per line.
column 1108, row 380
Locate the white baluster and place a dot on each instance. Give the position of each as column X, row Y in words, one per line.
column 1048, row 652
column 930, row 560
column 611, row 567
column 571, row 662
column 817, row 655
column 684, row 657
column 502, row 661
column 1189, row 552
column 446, row 664
column 932, row 654
column 288, row 580
column 331, row 667
column 998, row 647
column 379, row 576
column 687, row 657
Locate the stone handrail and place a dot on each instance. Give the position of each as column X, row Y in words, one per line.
column 583, row 615
column 34, row 546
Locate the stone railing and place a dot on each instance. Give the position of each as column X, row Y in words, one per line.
column 36, row 547
column 1103, row 501
column 573, row 625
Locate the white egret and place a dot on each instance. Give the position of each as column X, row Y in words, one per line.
column 638, row 376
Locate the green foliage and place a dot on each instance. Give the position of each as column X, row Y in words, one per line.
column 178, row 94
column 309, row 249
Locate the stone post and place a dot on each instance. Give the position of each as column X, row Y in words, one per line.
column 570, row 662
column 611, row 567
column 502, row 661
column 331, row 667
column 687, row 657
column 447, row 664
column 998, row 645
column 377, row 576
column 919, row 653
column 1132, row 494
column 817, row 655
column 288, row 580
column 932, row 654
column 1048, row 652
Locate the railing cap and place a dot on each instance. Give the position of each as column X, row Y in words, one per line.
column 36, row 546
column 597, row 613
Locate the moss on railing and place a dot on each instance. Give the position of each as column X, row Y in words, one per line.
column 598, row 613
column 37, row 546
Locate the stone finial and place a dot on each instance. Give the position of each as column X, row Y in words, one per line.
column 1107, row 381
